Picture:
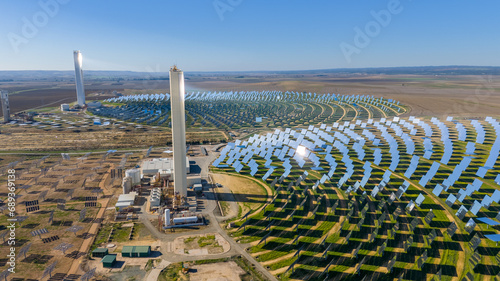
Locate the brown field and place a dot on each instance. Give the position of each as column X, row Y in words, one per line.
column 33, row 95
column 28, row 138
column 467, row 96
column 223, row 271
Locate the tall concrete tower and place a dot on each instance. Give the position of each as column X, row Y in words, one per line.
column 178, row 129
column 5, row 106
column 80, row 91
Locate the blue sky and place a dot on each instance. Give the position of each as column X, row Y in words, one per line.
column 246, row 35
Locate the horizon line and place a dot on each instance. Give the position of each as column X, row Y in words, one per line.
column 257, row 71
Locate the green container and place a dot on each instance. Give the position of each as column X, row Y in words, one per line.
column 108, row 261
column 99, row 252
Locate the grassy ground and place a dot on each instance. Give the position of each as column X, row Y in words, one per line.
column 172, row 273
column 203, row 242
column 249, row 194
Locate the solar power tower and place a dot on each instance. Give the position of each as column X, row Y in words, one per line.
column 80, row 91
column 5, row 106
column 177, row 94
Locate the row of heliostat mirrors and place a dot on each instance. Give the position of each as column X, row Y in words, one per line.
column 295, row 147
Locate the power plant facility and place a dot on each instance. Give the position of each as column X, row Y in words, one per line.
column 166, row 179
column 178, row 130
column 5, row 106
column 80, row 91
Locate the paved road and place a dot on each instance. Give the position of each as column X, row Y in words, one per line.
column 155, row 272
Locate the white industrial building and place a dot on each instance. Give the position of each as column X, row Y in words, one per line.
column 164, row 166
column 180, row 221
column 80, row 91
column 125, row 201
column 155, row 198
column 193, row 180
column 198, row 187
column 64, row 107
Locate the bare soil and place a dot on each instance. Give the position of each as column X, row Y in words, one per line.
column 223, row 271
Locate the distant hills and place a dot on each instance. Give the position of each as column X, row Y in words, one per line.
column 50, row 75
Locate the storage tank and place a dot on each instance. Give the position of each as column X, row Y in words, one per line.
column 167, row 217
column 185, row 220
column 135, row 174
column 127, row 185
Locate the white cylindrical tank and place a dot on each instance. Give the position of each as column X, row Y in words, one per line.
column 167, row 217
column 135, row 174
column 185, row 220
column 64, row 107
column 127, row 185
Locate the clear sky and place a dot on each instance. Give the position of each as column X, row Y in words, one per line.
column 247, row 35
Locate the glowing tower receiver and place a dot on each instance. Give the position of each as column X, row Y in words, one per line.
column 4, row 95
column 80, row 91
column 178, row 129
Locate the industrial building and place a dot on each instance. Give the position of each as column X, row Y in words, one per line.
column 5, row 106
column 136, row 251
column 80, row 91
column 135, row 175
column 131, row 179
column 125, row 201
column 100, row 252
column 164, row 166
column 183, row 219
column 198, row 187
column 108, row 261
column 64, row 107
column 126, row 185
column 178, row 117
column 155, row 198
